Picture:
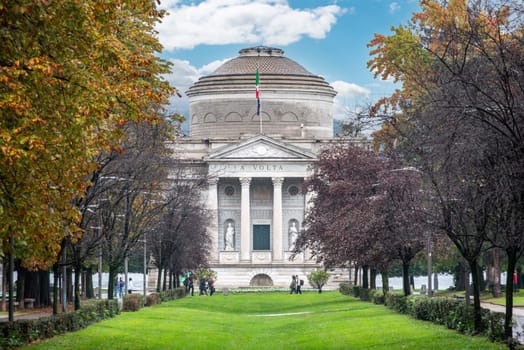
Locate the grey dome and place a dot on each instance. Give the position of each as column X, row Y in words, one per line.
column 268, row 60
column 294, row 102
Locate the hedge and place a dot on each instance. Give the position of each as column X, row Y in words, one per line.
column 454, row 314
column 15, row 334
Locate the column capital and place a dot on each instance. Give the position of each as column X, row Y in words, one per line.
column 277, row 180
column 245, row 181
column 212, row 181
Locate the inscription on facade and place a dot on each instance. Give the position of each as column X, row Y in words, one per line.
column 261, row 167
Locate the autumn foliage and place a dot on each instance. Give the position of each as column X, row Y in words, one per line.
column 71, row 73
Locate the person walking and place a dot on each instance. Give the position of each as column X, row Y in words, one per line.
column 211, row 284
column 202, row 288
column 130, row 286
column 299, row 284
column 293, row 285
column 121, row 286
column 190, row 285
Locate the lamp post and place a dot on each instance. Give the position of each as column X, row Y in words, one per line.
column 430, row 267
column 145, row 268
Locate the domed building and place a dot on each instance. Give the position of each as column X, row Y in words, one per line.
column 294, row 102
column 256, row 158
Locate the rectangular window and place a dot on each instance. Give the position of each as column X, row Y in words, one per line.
column 261, row 240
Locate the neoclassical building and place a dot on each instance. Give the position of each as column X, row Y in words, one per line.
column 256, row 163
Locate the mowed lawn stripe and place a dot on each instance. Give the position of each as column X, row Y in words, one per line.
column 308, row 321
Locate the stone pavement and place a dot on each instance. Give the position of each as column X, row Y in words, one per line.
column 28, row 314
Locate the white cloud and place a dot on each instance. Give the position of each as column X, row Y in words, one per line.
column 349, row 98
column 182, row 76
column 220, row 22
column 350, row 90
column 394, row 7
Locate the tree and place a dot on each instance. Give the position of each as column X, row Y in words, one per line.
column 180, row 241
column 460, row 63
column 318, row 279
column 68, row 83
column 367, row 210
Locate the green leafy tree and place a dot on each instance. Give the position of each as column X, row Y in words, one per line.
column 318, row 279
column 67, row 85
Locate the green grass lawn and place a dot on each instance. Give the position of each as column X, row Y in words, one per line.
column 266, row 321
column 518, row 299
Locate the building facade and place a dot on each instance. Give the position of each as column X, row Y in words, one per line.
column 256, row 163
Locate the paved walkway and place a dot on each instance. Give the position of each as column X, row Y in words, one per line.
column 518, row 318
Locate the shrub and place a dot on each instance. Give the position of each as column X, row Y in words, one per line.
column 132, row 302
column 344, row 288
column 317, row 279
column 356, row 291
column 378, row 297
column 153, row 299
column 15, row 334
column 364, row 294
column 167, row 295
column 397, row 302
column 180, row 292
column 454, row 314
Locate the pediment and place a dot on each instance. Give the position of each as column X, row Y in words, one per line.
column 262, row 148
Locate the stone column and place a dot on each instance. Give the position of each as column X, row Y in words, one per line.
column 277, row 218
column 245, row 220
column 212, row 204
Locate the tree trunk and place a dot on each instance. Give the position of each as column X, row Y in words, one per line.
column 11, row 258
column 32, row 287
column 365, row 283
column 89, row 292
column 355, row 283
column 385, row 281
column 159, row 280
column 55, row 289
column 111, row 284
column 20, row 287
column 164, row 285
column 44, row 292
column 460, row 283
column 482, row 281
column 69, row 288
column 476, row 296
column 373, row 279
column 512, row 261
column 76, row 286
column 4, row 286
column 497, row 290
column 406, row 287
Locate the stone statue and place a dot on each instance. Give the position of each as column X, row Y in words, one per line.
column 229, row 238
column 293, row 234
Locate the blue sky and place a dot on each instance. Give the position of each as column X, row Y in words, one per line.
column 327, row 37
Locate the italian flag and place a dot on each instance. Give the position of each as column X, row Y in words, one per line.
column 257, row 92
column 257, row 85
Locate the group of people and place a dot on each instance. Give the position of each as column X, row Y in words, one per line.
column 204, row 285
column 296, row 285
column 120, row 285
